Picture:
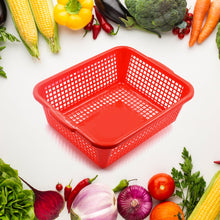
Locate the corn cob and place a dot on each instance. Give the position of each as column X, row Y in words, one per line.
column 24, row 24
column 208, row 208
column 43, row 15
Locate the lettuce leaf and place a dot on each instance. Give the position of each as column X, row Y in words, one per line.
column 15, row 202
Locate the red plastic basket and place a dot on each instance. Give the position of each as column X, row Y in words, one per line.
column 110, row 103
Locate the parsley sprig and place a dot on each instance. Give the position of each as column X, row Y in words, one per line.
column 189, row 186
column 4, row 36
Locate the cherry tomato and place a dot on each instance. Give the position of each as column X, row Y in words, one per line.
column 186, row 30
column 181, row 35
column 190, row 16
column 59, row 187
column 161, row 186
column 176, row 30
column 189, row 23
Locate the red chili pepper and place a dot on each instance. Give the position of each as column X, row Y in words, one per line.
column 67, row 191
column 217, row 161
column 96, row 28
column 77, row 189
column 88, row 27
column 104, row 24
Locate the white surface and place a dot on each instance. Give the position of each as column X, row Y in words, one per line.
column 41, row 155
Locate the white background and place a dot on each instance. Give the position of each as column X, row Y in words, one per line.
column 43, row 157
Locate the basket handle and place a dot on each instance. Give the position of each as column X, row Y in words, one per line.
column 59, row 117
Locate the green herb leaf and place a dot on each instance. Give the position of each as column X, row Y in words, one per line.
column 2, row 48
column 189, row 186
column 4, row 36
column 2, row 72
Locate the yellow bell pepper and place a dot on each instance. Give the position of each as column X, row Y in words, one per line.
column 75, row 14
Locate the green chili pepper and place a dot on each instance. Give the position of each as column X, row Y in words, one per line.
column 122, row 185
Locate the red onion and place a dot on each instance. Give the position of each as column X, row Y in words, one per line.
column 134, row 203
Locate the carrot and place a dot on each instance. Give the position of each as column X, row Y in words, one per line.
column 200, row 10
column 211, row 21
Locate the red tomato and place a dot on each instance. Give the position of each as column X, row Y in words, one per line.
column 161, row 186
column 59, row 187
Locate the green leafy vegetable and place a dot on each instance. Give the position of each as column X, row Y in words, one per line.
column 157, row 15
column 15, row 203
column 4, row 36
column 189, row 186
column 218, row 39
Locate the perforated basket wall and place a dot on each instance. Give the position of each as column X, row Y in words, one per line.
column 122, row 77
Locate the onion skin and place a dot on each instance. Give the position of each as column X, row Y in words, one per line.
column 94, row 202
column 134, row 203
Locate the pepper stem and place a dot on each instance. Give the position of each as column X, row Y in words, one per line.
column 69, row 185
column 73, row 7
column 131, row 180
column 114, row 33
column 91, row 180
column 96, row 22
column 73, row 215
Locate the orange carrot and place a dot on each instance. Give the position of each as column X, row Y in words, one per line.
column 211, row 21
column 200, row 10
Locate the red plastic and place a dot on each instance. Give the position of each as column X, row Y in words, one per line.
column 110, row 103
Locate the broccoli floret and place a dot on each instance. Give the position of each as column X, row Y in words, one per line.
column 157, row 15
